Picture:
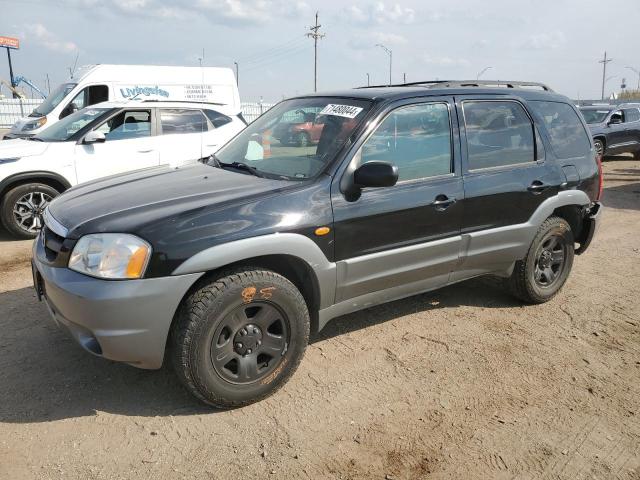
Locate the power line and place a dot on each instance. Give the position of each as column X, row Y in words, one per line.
column 315, row 34
column 275, row 59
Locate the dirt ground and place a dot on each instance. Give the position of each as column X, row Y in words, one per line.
column 461, row 383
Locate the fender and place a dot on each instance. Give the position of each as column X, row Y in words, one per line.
column 292, row 244
column 19, row 177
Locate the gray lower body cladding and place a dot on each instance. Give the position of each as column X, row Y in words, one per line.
column 126, row 321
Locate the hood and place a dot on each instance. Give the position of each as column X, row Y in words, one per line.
column 19, row 148
column 597, row 127
column 129, row 202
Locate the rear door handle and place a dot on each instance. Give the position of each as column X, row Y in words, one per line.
column 537, row 187
column 442, row 202
column 145, row 151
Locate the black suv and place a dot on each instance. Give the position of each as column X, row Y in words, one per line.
column 615, row 128
column 225, row 268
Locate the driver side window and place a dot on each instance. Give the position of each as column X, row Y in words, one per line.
column 126, row 125
column 416, row 138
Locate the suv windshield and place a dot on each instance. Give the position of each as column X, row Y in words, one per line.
column 65, row 128
column 592, row 115
column 297, row 138
column 54, row 99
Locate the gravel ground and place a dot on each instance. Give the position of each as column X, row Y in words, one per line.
column 459, row 383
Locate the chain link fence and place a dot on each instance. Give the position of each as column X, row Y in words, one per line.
column 12, row 109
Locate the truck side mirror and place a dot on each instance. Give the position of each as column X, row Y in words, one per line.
column 615, row 119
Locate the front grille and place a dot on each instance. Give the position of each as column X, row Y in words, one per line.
column 56, row 249
column 52, row 243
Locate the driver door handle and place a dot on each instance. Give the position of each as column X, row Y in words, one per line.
column 146, row 151
column 537, row 187
column 442, row 202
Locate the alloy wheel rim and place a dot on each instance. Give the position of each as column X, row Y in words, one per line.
column 250, row 342
column 28, row 210
column 599, row 148
column 550, row 261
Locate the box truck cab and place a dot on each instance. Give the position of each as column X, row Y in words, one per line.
column 94, row 84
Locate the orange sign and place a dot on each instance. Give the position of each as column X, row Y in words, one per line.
column 9, row 42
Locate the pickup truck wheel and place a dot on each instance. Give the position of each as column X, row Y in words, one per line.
column 238, row 338
column 599, row 146
column 543, row 272
column 22, row 208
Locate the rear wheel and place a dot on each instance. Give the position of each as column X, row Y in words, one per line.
column 239, row 338
column 23, row 206
column 543, row 272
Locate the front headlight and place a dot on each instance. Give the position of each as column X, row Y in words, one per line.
column 34, row 124
column 110, row 255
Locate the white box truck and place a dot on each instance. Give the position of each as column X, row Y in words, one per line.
column 100, row 83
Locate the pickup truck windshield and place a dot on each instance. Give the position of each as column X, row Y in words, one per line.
column 54, row 99
column 65, row 128
column 297, row 138
column 592, row 115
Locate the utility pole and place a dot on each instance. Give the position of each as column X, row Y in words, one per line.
column 237, row 74
column 48, row 85
column 368, row 81
column 390, row 53
column 404, row 76
column 315, row 34
column 604, row 71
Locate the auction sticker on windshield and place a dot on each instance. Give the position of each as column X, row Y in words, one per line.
column 346, row 111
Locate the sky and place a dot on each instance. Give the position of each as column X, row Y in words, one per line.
column 558, row 42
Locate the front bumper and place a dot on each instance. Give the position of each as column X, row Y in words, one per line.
column 590, row 225
column 121, row 320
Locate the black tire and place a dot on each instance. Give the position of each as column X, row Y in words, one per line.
column 32, row 217
column 236, row 297
column 303, row 139
column 599, row 146
column 531, row 279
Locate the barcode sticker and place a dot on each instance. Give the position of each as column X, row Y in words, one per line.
column 346, row 111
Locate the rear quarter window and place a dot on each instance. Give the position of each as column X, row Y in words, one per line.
column 568, row 137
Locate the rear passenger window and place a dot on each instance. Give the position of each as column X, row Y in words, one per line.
column 568, row 136
column 499, row 133
column 217, row 119
column 631, row 115
column 182, row 121
column 417, row 139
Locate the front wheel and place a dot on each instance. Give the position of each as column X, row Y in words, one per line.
column 238, row 338
column 23, row 206
column 599, row 146
column 542, row 273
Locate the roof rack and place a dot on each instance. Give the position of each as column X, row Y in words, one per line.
column 158, row 100
column 469, row 83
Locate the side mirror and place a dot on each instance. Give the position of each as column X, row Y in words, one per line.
column 375, row 174
column 615, row 119
column 93, row 137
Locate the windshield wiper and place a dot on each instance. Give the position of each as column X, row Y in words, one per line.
column 240, row 166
